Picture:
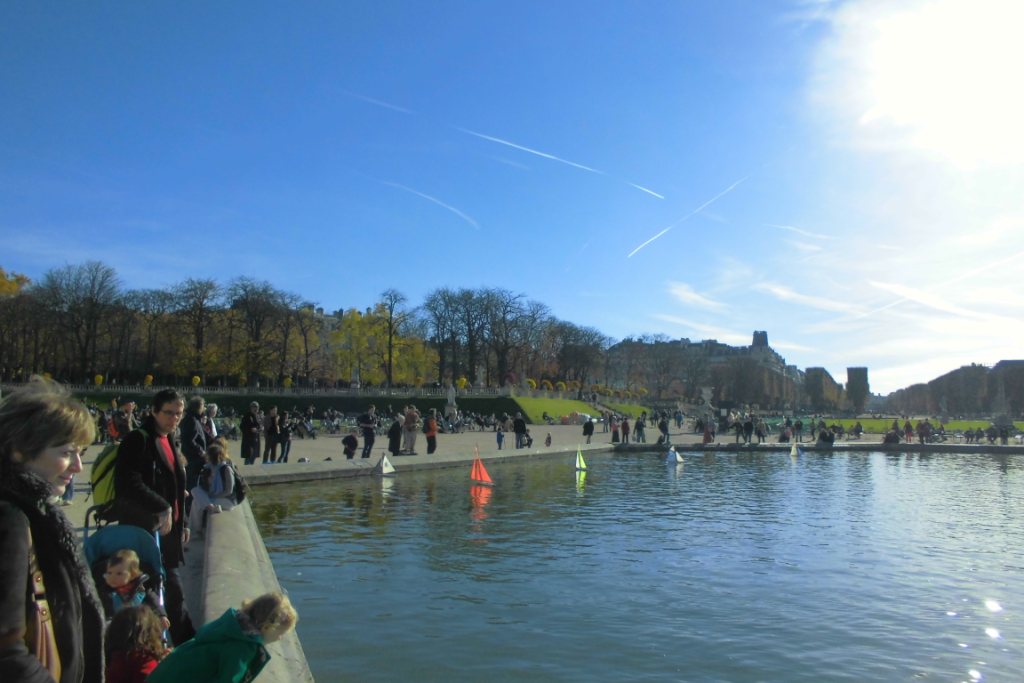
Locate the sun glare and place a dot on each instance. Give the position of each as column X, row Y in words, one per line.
column 940, row 77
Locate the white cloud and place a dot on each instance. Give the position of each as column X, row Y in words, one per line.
column 686, row 295
column 803, row 247
column 928, row 76
column 791, row 346
column 923, row 185
column 705, row 331
column 787, row 295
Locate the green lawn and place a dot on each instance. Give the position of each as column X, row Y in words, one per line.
column 631, row 410
column 534, row 408
column 880, row 426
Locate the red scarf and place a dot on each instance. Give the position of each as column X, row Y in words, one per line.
column 164, row 444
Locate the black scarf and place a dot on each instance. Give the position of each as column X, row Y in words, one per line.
column 32, row 495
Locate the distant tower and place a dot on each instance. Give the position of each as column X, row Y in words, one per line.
column 857, row 388
column 760, row 339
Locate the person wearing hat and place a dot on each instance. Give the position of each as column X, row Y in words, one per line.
column 250, row 426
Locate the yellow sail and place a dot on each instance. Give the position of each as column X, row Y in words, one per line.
column 581, row 464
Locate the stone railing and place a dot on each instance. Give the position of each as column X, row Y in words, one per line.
column 236, row 568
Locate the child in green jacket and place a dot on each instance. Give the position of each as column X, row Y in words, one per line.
column 231, row 648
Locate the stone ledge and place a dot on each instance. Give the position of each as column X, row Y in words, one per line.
column 237, row 567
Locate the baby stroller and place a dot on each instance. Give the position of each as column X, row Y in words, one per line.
column 107, row 540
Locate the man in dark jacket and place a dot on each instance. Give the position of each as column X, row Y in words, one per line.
column 149, row 492
column 519, row 427
column 250, row 427
column 193, row 440
column 368, row 423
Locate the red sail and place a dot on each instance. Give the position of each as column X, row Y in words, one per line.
column 479, row 473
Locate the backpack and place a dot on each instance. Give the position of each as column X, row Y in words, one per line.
column 241, row 489
column 426, row 425
column 101, row 477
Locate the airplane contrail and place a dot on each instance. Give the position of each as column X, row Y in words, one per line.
column 691, row 214
column 379, row 103
column 644, row 189
column 436, row 201
column 507, row 143
column 531, row 151
column 552, row 157
column 799, row 231
column 962, row 276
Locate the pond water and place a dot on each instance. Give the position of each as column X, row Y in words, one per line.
column 748, row 567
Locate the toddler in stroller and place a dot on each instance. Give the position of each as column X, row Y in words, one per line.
column 126, row 567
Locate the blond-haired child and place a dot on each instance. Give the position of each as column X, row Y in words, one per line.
column 230, row 649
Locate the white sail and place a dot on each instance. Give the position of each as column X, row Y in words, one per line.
column 673, row 457
column 384, row 467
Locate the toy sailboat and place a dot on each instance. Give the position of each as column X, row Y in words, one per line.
column 794, row 451
column 581, row 464
column 673, row 457
column 384, row 467
column 478, row 475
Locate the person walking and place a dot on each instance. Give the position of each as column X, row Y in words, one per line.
column 43, row 433
column 588, row 429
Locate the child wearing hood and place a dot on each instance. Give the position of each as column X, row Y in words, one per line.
column 232, row 648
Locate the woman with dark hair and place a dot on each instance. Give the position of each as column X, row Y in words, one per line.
column 43, row 433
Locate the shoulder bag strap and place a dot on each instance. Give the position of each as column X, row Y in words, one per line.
column 39, row 635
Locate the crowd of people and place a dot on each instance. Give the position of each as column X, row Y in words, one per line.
column 62, row 620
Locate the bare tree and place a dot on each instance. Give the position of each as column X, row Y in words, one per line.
column 309, row 321
column 472, row 326
column 582, row 350
column 258, row 305
column 152, row 306
column 665, row 363
column 394, row 320
column 439, row 312
column 81, row 296
column 196, row 303
column 288, row 304
column 503, row 311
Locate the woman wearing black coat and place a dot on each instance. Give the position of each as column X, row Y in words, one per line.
column 395, row 436
column 43, row 432
column 588, row 429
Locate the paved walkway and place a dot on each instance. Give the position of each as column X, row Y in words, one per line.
column 455, row 450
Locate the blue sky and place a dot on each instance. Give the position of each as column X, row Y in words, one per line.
column 844, row 175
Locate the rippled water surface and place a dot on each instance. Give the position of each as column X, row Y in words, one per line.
column 759, row 567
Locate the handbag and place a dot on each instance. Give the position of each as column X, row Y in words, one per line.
column 39, row 635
